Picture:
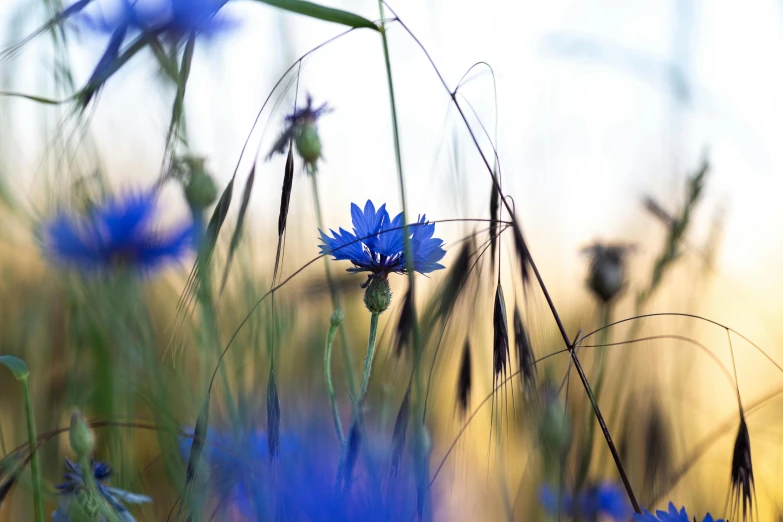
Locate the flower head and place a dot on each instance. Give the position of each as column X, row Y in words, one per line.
column 605, row 499
column 301, row 127
column 120, row 232
column 607, row 269
column 672, row 515
column 76, row 495
column 377, row 244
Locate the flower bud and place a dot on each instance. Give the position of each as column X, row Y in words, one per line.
column 308, row 144
column 607, row 270
column 377, row 296
column 200, row 189
column 81, row 437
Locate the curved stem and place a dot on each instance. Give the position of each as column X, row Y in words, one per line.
column 329, row 384
column 368, row 360
column 346, row 353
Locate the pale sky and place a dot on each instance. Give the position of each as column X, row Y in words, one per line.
column 597, row 104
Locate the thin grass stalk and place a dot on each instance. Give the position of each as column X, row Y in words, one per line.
column 35, row 465
column 605, row 429
column 421, row 467
column 209, row 320
column 312, row 172
column 605, row 318
column 334, row 326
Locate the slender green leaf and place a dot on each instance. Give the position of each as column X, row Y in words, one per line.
column 328, row 14
column 32, row 97
column 16, row 365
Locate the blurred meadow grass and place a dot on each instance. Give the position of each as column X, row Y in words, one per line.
column 475, row 433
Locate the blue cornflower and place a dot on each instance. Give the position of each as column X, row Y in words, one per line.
column 302, row 484
column 75, row 486
column 120, row 232
column 672, row 515
column 606, row 499
column 169, row 19
column 377, row 244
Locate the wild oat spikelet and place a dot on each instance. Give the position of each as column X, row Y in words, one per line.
column 464, row 379
column 742, row 486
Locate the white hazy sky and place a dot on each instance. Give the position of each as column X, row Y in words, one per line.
column 599, row 103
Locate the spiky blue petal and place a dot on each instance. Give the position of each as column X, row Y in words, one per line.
column 120, row 232
column 670, row 515
column 377, row 244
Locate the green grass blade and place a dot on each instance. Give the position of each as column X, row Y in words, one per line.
column 21, row 372
column 328, row 14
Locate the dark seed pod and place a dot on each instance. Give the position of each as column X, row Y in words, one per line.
column 525, row 356
column 6, row 487
column 494, row 207
column 285, row 197
column 742, row 487
column 657, row 448
column 400, row 432
column 455, row 281
column 404, row 331
column 272, row 417
column 500, row 348
column 523, row 254
column 465, row 379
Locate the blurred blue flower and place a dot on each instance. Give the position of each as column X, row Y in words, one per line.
column 168, row 19
column 377, row 244
column 302, row 483
column 76, row 484
column 120, row 232
column 606, row 499
column 672, row 515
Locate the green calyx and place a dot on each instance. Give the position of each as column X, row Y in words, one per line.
column 308, row 144
column 377, row 296
column 200, row 190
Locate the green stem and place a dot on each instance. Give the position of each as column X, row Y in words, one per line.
column 103, row 506
column 338, row 427
column 401, row 181
column 35, row 465
column 421, row 470
column 346, row 353
column 370, row 356
column 209, row 319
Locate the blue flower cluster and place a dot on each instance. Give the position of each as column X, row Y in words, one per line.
column 119, row 233
column 672, row 515
column 76, row 484
column 606, row 499
column 377, row 244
